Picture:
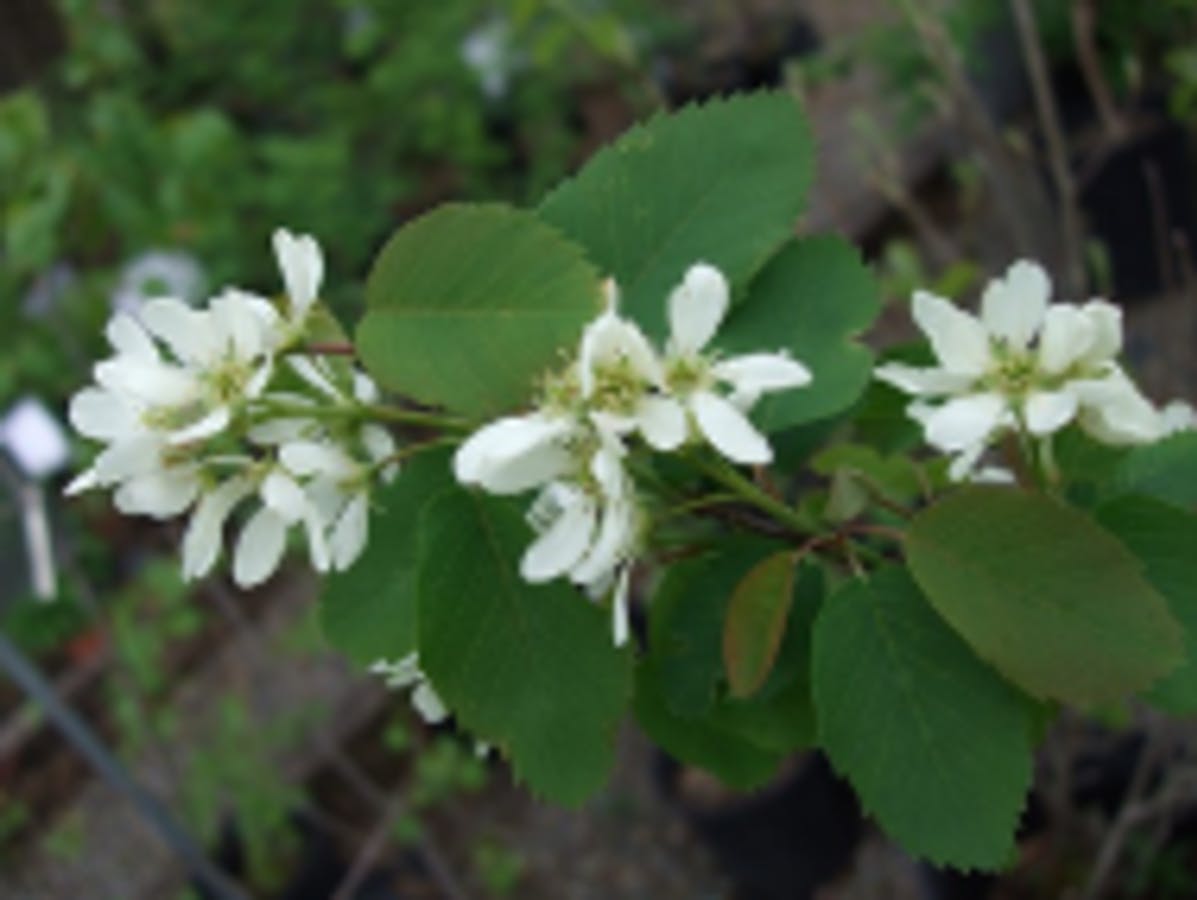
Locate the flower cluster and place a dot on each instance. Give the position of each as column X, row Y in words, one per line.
column 574, row 445
column 1024, row 367
column 208, row 408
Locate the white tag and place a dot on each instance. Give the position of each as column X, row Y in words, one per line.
column 37, row 442
column 40, row 546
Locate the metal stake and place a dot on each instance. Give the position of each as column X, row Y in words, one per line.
column 81, row 737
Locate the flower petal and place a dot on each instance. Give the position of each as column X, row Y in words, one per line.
column 427, row 702
column 315, row 374
column 162, row 494
column 103, row 415
column 319, row 553
column 619, row 607
column 922, row 382
column 302, row 264
column 728, row 430
column 960, row 342
column 211, row 424
column 379, row 443
column 1013, row 306
column 1106, row 319
column 349, row 534
column 696, row 308
column 609, row 342
column 1046, row 412
column 761, row 373
column 146, row 381
column 201, row 543
column 612, row 545
column 282, row 494
column 260, row 548
column 240, row 327
column 563, row 543
column 1178, row 416
column 964, row 422
column 662, row 421
column 305, row 458
column 138, row 454
column 191, row 335
column 1068, row 336
column 128, row 338
column 1114, row 412
column 364, row 388
column 513, row 454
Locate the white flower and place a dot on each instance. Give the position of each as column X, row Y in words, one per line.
column 260, row 547
column 302, row 266
column 588, row 527
column 1022, row 365
column 152, row 409
column 339, row 485
column 205, row 532
column 621, row 379
column 517, row 453
column 405, row 672
column 696, row 309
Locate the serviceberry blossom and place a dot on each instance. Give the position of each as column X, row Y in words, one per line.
column 572, row 446
column 692, row 374
column 217, row 409
column 176, row 380
column 1024, row 366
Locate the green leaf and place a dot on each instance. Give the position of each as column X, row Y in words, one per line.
column 1164, row 538
column 530, row 668
column 811, row 300
column 1057, row 604
column 686, row 621
column 935, row 743
column 369, row 611
column 756, row 622
column 700, row 741
column 894, row 477
column 723, row 183
column 470, row 304
column 1166, row 470
column 740, row 741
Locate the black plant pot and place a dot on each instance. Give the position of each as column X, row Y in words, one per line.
column 318, row 867
column 783, row 842
column 1143, row 194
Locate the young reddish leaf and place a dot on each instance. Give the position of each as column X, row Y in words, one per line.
column 756, row 622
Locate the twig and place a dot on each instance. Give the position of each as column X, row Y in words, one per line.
column 374, row 846
column 1137, row 808
column 1084, row 31
column 1016, row 197
column 1053, row 134
column 330, row 349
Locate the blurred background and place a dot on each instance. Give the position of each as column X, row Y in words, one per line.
column 151, row 146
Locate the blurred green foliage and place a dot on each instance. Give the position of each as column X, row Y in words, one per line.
column 202, row 127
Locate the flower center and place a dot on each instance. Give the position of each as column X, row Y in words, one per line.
column 685, row 375
column 226, row 381
column 1015, row 372
column 560, row 392
column 618, row 387
column 172, row 418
